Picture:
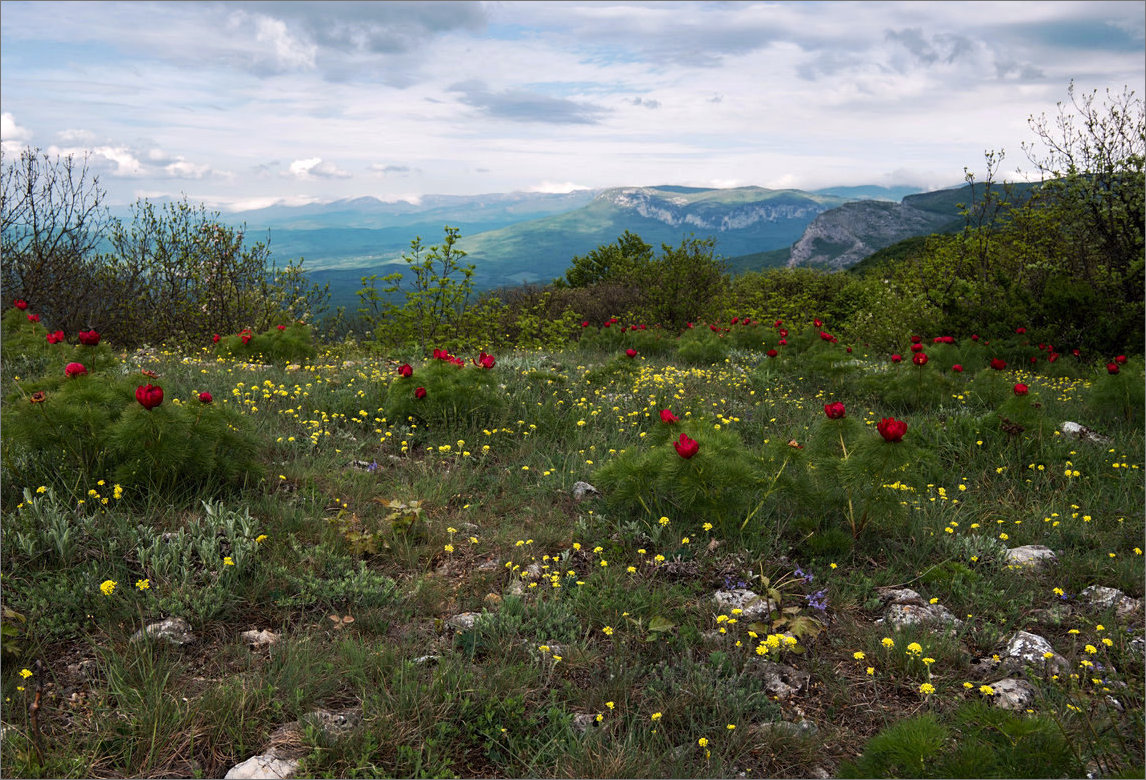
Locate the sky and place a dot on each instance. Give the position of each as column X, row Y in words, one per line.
column 246, row 104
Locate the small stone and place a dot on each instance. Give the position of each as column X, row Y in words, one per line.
column 1030, row 555
column 780, row 680
column 900, row 615
column 801, row 728
column 1101, row 598
column 1078, row 431
column 175, row 630
column 582, row 721
column 427, row 659
column 333, row 724
column 751, row 605
column 464, row 621
column 491, row 565
column 899, row 596
column 259, row 638
column 582, row 490
column 1014, row 695
column 263, row 768
column 1026, row 649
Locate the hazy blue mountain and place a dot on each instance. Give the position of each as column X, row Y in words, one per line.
column 743, row 220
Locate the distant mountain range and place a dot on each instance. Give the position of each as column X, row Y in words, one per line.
column 516, row 238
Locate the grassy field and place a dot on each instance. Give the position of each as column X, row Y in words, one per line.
column 373, row 518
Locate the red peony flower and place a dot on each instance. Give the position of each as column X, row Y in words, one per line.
column 735, row 320
column 1020, row 331
column 783, row 342
column 485, row 361
column 834, row 410
column 957, row 368
column 281, row 327
column 1052, row 357
column 686, row 447
column 420, row 393
column 33, row 318
column 55, row 337
column 974, row 337
column 585, row 323
column 245, row 337
column 849, row 350
column 405, row 370
column 215, row 339
column 891, row 429
column 1021, row 389
column 998, row 364
column 896, row 358
column 783, row 333
column 1112, row 368
column 89, row 338
column 149, row 396
column 20, row 304
column 919, row 359
column 916, row 339
column 668, row 417
column 827, row 336
column 777, row 323
column 1120, row 360
column 817, row 323
column 917, row 347
column 631, row 353
column 1074, row 352
column 205, row 397
column 72, row 370
column 771, row 353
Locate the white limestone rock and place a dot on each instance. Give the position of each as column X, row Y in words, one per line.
column 1013, row 694
column 1030, row 556
column 175, row 630
column 751, row 605
column 1098, row 597
column 263, row 768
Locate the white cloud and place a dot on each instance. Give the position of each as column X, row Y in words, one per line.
column 12, row 135
column 316, row 167
column 290, row 53
column 556, row 188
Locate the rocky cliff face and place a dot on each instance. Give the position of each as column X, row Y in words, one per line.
column 844, row 236
column 678, row 210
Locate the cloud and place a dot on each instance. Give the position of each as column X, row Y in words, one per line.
column 12, row 135
column 316, row 168
column 518, row 105
column 383, row 169
column 646, row 102
column 124, row 161
column 384, row 28
column 556, row 188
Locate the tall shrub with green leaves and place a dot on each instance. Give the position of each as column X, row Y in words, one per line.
column 433, row 305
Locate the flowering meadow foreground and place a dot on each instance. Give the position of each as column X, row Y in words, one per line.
column 748, row 550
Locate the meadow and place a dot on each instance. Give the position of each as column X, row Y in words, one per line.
column 409, row 534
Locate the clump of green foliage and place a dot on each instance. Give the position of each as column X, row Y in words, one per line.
column 446, row 394
column 292, row 343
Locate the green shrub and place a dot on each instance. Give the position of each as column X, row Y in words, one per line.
column 445, row 395
column 701, row 347
column 977, row 740
column 281, row 344
column 721, row 482
column 90, row 427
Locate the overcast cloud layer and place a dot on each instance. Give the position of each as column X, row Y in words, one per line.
column 246, row 104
